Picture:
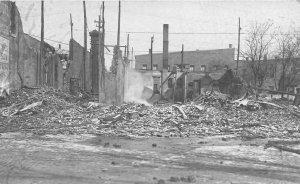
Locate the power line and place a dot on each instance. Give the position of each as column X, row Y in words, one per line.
column 49, row 39
column 206, row 33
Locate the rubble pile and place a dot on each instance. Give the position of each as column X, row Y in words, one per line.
column 51, row 111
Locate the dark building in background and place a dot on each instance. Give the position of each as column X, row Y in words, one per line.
column 195, row 61
column 204, row 68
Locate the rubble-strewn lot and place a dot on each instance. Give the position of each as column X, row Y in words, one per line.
column 223, row 141
column 49, row 111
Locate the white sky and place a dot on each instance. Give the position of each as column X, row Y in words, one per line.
column 193, row 16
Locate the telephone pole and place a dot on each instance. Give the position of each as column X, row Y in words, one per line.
column 151, row 53
column 127, row 47
column 41, row 45
column 119, row 22
column 182, row 49
column 103, row 44
column 238, row 54
column 132, row 58
column 165, row 57
column 100, row 92
column 71, row 23
column 85, row 44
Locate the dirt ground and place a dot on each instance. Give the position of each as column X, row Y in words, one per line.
column 78, row 159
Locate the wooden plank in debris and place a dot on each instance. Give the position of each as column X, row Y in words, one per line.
column 282, row 147
column 277, row 92
column 31, row 106
column 181, row 111
column 198, row 107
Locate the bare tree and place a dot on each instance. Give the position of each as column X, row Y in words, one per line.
column 257, row 47
column 288, row 47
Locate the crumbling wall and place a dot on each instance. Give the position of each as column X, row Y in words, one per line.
column 12, row 31
column 23, row 51
column 4, row 45
column 31, row 61
column 54, row 71
column 75, row 69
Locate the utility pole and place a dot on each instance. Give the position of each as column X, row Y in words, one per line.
column 132, row 58
column 119, row 22
column 41, row 45
column 127, row 47
column 238, row 54
column 125, row 51
column 120, row 78
column 100, row 92
column 71, row 23
column 165, row 56
column 151, row 53
column 182, row 48
column 103, row 43
column 85, row 44
column 185, row 86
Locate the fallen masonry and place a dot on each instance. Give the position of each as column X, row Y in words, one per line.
column 49, row 111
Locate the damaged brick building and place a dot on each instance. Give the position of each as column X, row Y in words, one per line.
column 202, row 69
column 20, row 63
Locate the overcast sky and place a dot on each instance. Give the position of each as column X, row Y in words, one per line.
column 148, row 17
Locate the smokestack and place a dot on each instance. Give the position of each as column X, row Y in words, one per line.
column 230, row 46
column 165, row 46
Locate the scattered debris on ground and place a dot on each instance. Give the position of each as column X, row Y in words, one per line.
column 50, row 111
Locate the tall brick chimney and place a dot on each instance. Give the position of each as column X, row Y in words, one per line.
column 94, row 61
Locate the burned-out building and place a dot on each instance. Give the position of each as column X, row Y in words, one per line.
column 20, row 62
column 195, row 61
column 74, row 71
column 197, row 73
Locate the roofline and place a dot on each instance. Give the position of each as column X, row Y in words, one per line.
column 271, row 59
column 38, row 40
column 187, row 51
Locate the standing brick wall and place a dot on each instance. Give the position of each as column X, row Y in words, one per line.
column 75, row 69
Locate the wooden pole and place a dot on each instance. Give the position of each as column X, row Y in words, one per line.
column 165, row 54
column 85, row 46
column 151, row 53
column 127, row 47
column 41, row 44
column 238, row 54
column 185, row 87
column 125, row 51
column 182, row 48
column 174, row 86
column 100, row 60
column 132, row 58
column 119, row 22
column 71, row 23
column 103, row 44
column 120, row 66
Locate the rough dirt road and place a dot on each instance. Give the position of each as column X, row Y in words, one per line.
column 78, row 159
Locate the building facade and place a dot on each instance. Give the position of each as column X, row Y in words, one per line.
column 204, row 67
column 195, row 61
column 20, row 63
